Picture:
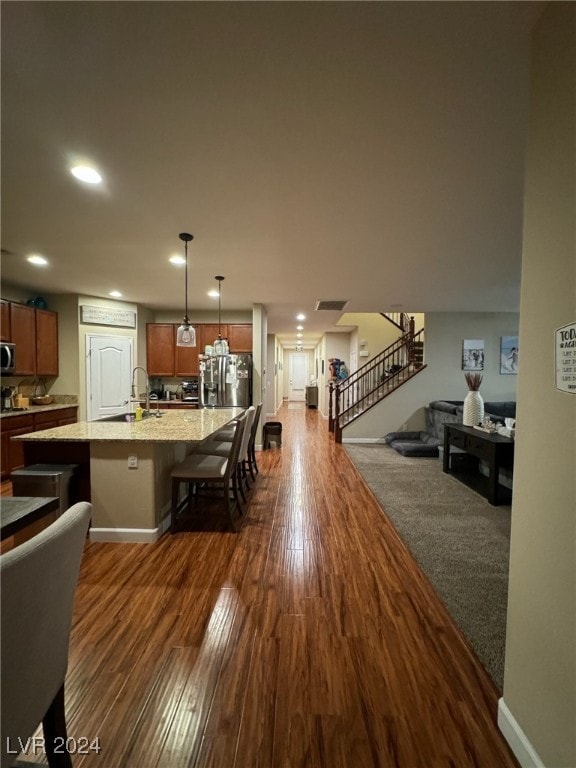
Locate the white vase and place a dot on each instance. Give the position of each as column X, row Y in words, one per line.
column 473, row 409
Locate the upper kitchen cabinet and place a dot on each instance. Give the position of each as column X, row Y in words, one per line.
column 35, row 334
column 210, row 334
column 164, row 358
column 23, row 331
column 5, row 334
column 46, row 343
column 160, row 346
column 240, row 338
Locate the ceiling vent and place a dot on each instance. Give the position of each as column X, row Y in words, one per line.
column 336, row 305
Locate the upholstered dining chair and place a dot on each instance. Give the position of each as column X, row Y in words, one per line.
column 212, row 472
column 215, row 447
column 251, row 458
column 39, row 580
column 226, row 433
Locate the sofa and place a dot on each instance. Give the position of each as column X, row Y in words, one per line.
column 440, row 412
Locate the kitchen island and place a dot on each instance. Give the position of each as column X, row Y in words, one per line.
column 124, row 467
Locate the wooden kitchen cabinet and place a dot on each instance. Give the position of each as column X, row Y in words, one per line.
column 210, row 333
column 5, row 333
column 55, row 418
column 23, row 329
column 35, row 334
column 46, row 343
column 186, row 358
column 13, row 452
column 164, row 358
column 240, row 338
column 160, row 349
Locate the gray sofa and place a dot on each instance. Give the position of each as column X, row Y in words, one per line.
column 440, row 412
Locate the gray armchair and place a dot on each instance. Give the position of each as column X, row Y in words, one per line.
column 39, row 580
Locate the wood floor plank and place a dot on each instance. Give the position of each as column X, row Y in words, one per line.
column 311, row 638
column 183, row 742
column 256, row 734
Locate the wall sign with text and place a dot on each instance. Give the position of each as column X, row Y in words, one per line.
column 121, row 318
column 566, row 358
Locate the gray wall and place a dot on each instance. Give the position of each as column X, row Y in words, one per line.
column 443, row 377
column 540, row 674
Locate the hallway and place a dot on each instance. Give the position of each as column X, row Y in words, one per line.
column 308, row 639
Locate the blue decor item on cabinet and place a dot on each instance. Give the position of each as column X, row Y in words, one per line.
column 38, row 302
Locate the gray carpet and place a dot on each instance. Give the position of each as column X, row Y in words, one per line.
column 460, row 541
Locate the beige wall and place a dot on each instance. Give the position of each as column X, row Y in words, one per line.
column 175, row 316
column 374, row 330
column 68, row 380
column 372, row 335
column 540, row 676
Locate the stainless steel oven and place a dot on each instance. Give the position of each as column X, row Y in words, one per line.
column 7, row 358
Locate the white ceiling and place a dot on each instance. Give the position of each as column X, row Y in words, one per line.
column 363, row 151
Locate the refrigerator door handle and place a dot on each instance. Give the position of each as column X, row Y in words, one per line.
column 222, row 380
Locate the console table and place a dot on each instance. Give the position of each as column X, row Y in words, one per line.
column 312, row 397
column 496, row 450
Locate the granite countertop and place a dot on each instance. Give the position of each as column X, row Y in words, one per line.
column 174, row 426
column 37, row 409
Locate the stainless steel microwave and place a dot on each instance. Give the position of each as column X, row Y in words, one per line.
column 7, row 358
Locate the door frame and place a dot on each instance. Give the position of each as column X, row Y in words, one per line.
column 291, row 356
column 88, row 341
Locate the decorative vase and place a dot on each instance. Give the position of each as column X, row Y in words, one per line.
column 473, row 409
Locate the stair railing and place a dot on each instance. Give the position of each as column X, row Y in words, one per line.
column 375, row 380
column 399, row 319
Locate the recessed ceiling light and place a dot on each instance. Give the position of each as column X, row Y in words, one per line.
column 115, row 294
column 86, row 174
column 300, row 316
column 299, row 327
column 298, row 335
column 178, row 260
column 213, row 293
column 40, row 261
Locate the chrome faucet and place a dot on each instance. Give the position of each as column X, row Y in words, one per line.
column 135, row 386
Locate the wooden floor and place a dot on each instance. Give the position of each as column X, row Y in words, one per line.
column 310, row 638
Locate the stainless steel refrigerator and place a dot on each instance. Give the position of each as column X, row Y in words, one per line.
column 225, row 381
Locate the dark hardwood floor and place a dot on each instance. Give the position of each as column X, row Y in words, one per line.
column 311, row 638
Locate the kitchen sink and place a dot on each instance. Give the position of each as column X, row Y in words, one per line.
column 122, row 417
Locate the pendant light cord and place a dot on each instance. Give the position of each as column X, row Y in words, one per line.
column 186, row 237
column 186, row 321
column 219, row 278
column 219, row 309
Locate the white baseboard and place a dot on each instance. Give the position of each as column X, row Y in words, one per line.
column 126, row 535
column 363, row 440
column 516, row 738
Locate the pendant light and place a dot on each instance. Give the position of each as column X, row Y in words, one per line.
column 186, row 334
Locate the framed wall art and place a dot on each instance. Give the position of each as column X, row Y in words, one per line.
column 473, row 355
column 509, row 354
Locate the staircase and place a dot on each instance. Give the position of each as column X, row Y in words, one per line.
column 375, row 380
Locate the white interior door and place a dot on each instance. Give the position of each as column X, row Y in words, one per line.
column 298, row 371
column 108, row 375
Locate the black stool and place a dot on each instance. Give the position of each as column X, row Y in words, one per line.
column 272, row 432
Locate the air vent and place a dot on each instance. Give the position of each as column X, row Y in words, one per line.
column 334, row 305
